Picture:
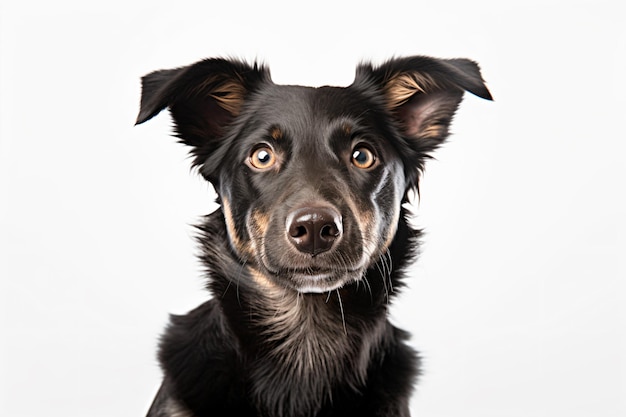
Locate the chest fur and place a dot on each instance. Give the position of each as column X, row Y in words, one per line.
column 308, row 350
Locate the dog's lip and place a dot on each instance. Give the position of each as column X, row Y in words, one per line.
column 304, row 270
column 313, row 279
column 319, row 283
column 316, row 288
column 312, row 272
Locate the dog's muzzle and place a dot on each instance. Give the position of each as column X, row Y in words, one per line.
column 314, row 230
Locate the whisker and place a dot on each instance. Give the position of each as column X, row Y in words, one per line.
column 390, row 268
column 369, row 288
column 343, row 318
column 227, row 287
column 382, row 276
column 243, row 264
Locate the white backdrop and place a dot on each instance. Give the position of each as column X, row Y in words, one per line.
column 518, row 301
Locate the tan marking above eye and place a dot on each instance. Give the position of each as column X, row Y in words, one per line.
column 276, row 133
column 262, row 158
column 347, row 129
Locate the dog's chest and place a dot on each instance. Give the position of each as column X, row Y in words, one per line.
column 307, row 351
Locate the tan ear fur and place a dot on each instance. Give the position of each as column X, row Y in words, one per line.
column 423, row 105
column 402, row 86
column 228, row 93
column 428, row 116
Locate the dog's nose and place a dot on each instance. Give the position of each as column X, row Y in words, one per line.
column 313, row 230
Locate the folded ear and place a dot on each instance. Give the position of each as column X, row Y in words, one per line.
column 203, row 99
column 422, row 94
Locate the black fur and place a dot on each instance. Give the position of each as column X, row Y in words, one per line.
column 300, row 328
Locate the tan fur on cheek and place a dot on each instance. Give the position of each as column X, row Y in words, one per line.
column 257, row 224
column 393, row 226
column 266, row 284
column 234, row 238
column 367, row 225
column 260, row 221
column 391, row 234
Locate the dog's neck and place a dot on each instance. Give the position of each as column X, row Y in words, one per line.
column 305, row 342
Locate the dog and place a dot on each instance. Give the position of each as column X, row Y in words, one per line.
column 311, row 238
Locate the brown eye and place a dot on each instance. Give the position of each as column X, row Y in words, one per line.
column 262, row 157
column 363, row 157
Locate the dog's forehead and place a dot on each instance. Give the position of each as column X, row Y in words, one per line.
column 293, row 105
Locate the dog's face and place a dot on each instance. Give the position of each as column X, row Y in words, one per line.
column 310, row 187
column 311, row 180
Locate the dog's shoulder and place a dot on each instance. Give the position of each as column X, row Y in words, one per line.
column 392, row 377
column 201, row 358
column 202, row 329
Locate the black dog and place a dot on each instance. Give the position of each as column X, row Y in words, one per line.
column 311, row 237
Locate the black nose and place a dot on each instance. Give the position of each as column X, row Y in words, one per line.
column 314, row 230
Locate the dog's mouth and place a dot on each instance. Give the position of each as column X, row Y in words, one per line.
column 313, row 279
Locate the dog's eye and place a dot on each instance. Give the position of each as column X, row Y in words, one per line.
column 262, row 158
column 363, row 157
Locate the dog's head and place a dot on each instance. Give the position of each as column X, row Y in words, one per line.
column 311, row 180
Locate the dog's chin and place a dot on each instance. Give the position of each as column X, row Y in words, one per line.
column 312, row 281
column 317, row 284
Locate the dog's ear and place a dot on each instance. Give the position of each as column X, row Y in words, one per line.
column 203, row 99
column 422, row 94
